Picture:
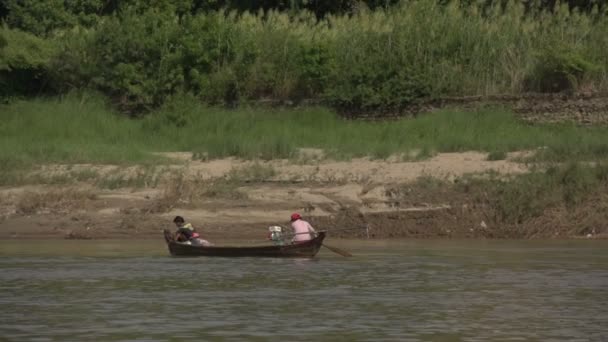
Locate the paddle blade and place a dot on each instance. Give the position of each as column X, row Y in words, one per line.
column 338, row 251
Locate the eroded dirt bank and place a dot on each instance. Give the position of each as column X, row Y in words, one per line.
column 231, row 199
column 580, row 108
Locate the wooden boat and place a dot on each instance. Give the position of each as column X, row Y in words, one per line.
column 306, row 249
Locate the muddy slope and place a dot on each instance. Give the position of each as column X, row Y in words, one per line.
column 582, row 108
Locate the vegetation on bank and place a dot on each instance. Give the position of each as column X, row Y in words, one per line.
column 182, row 62
column 141, row 56
column 82, row 128
column 563, row 200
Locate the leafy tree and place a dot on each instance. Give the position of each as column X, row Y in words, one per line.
column 44, row 17
column 23, row 62
column 137, row 58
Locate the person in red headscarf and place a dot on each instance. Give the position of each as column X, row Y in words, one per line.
column 302, row 230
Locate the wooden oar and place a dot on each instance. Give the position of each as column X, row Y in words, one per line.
column 338, row 251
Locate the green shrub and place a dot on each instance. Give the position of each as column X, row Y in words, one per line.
column 369, row 77
column 137, row 59
column 142, row 53
column 373, row 87
column 527, row 196
column 521, row 198
column 314, row 66
column 44, row 17
column 558, row 71
column 207, row 52
column 24, row 61
column 575, row 181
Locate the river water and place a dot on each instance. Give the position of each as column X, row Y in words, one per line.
column 389, row 291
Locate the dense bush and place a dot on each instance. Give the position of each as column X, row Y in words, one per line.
column 24, row 62
column 44, row 17
column 138, row 58
column 142, row 54
column 558, row 71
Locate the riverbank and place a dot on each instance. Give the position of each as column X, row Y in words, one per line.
column 71, row 167
column 452, row 195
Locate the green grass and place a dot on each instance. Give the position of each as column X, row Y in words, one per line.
column 73, row 130
column 68, row 130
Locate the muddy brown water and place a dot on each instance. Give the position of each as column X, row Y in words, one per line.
column 389, row 291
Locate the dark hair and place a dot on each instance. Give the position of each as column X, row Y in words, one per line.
column 178, row 219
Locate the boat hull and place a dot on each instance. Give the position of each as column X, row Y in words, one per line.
column 306, row 249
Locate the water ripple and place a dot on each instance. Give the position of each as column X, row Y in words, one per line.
column 419, row 293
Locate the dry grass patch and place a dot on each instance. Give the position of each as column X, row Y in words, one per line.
column 180, row 191
column 55, row 201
